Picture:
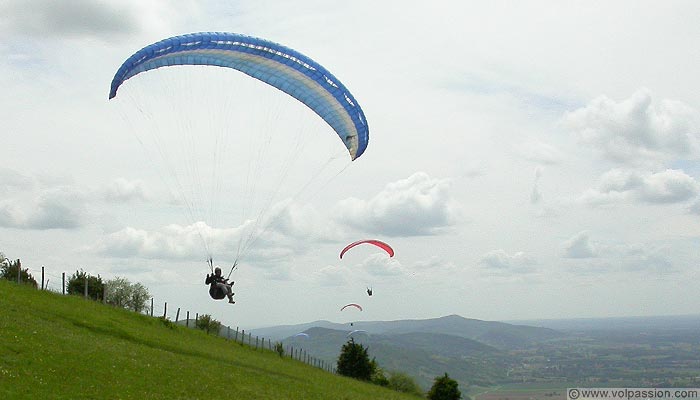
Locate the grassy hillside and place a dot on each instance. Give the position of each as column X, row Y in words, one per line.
column 64, row 347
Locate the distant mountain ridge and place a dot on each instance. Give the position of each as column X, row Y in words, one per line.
column 497, row 334
column 475, row 352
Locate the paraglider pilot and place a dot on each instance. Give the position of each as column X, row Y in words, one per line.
column 369, row 291
column 219, row 287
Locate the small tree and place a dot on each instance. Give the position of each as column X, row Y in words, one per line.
column 378, row 375
column 354, row 361
column 9, row 269
column 139, row 298
column 208, row 324
column 122, row 293
column 76, row 285
column 279, row 348
column 404, row 383
column 444, row 388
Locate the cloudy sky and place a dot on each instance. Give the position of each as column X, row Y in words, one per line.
column 527, row 160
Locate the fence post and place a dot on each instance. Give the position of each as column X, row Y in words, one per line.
column 63, row 288
column 256, row 342
column 242, row 336
column 250, row 339
column 86, row 287
column 42, row 277
column 165, row 310
column 236, row 339
column 177, row 315
column 19, row 271
column 151, row 306
column 187, row 322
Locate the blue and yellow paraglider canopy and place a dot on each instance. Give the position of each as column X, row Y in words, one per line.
column 281, row 67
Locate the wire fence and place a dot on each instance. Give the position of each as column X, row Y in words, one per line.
column 58, row 284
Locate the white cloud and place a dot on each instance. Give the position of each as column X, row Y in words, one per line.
column 619, row 257
column 638, row 128
column 473, row 170
column 541, row 153
column 41, row 202
column 331, row 275
column 171, row 242
column 85, row 18
column 639, row 257
column 279, row 272
column 501, row 262
column 619, row 185
column 123, row 191
column 579, row 246
column 266, row 248
column 301, row 223
column 695, row 207
column 418, row 205
column 11, row 180
column 606, row 257
column 381, row 265
column 57, row 208
column 433, row 263
column 536, row 195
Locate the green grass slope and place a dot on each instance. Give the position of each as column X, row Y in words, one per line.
column 65, row 347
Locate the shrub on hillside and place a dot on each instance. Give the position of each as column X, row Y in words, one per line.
column 444, row 388
column 122, row 293
column 378, row 375
column 279, row 348
column 208, row 324
column 404, row 383
column 9, row 269
column 95, row 286
column 354, row 361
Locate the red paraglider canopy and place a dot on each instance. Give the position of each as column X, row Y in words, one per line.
column 351, row 305
column 375, row 242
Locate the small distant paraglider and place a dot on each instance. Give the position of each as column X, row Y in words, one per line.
column 375, row 242
column 359, row 307
column 353, row 305
column 302, row 334
column 356, row 331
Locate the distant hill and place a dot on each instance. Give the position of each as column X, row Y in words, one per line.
column 419, row 354
column 497, row 334
column 282, row 331
column 475, row 352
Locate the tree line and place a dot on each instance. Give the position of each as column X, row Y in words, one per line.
column 119, row 291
